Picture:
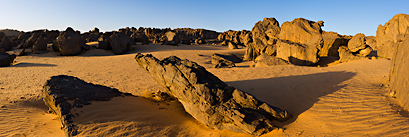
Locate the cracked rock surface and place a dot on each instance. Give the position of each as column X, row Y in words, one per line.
column 208, row 99
column 63, row 93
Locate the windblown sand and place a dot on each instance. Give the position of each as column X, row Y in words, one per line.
column 348, row 99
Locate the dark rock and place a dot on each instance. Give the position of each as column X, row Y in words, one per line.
column 6, row 59
column 40, row 44
column 103, row 42
column 171, row 38
column 208, row 99
column 119, row 43
column 267, row 60
column 225, row 61
column 69, row 42
column 2, row 35
column 5, row 44
column 64, row 93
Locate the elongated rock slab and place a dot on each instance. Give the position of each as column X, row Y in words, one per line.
column 63, row 93
column 208, row 99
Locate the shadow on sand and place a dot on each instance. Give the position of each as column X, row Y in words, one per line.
column 33, row 65
column 295, row 94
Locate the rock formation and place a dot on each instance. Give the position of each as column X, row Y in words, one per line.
column 69, row 42
column 225, row 61
column 63, row 93
column 267, row 60
column 264, row 34
column 5, row 43
column 243, row 37
column 40, row 44
column 6, row 59
column 387, row 34
column 346, row 55
column 298, row 54
column 171, row 38
column 357, row 42
column 332, row 42
column 119, row 43
column 208, row 99
column 400, row 70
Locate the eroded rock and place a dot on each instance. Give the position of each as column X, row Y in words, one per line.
column 69, row 42
column 6, row 59
column 387, row 34
column 400, row 71
column 298, row 54
column 208, row 99
column 63, row 93
column 267, row 60
column 346, row 55
column 225, row 61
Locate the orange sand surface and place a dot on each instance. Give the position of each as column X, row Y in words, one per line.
column 348, row 99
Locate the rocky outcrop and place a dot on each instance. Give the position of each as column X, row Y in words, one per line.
column 69, row 42
column 400, row 71
column 298, row 54
column 6, row 59
column 357, row 43
column 40, row 44
column 264, row 34
column 332, row 42
column 388, row 34
column 2, row 35
column 302, row 31
column 346, row 55
column 5, row 43
column 267, row 60
column 64, row 93
column 171, row 38
column 225, row 61
column 243, row 37
column 208, row 99
column 119, row 43
column 188, row 34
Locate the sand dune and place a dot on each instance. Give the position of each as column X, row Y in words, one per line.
column 348, row 99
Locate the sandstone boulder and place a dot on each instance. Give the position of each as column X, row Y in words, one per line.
column 264, row 34
column 357, row 43
column 332, row 42
column 208, row 99
column 69, row 42
column 400, row 71
column 387, row 34
column 171, row 38
column 6, row 59
column 346, row 55
column 267, row 60
column 300, row 30
column 64, row 93
column 232, row 45
column 225, row 61
column 296, row 53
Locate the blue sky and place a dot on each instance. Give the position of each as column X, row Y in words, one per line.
column 346, row 17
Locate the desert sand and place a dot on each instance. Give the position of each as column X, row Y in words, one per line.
column 347, row 99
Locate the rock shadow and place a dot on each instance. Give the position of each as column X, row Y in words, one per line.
column 33, row 65
column 295, row 94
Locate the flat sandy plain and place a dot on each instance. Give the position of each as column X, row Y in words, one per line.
column 348, row 99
